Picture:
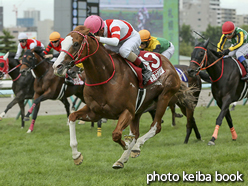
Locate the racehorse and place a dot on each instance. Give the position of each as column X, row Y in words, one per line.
column 22, row 86
column 108, row 75
column 195, row 83
column 46, row 84
column 226, row 87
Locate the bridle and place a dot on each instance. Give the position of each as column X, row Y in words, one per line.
column 32, row 65
column 78, row 53
column 203, row 64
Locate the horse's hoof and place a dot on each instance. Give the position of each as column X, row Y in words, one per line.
column 211, row 143
column 79, row 160
column 234, row 139
column 177, row 115
column 29, row 131
column 118, row 165
column 26, row 119
column 135, row 153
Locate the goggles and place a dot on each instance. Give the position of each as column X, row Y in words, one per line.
column 55, row 41
column 22, row 40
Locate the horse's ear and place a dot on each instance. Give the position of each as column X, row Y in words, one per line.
column 206, row 43
column 5, row 57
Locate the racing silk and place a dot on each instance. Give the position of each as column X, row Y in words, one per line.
column 116, row 31
column 50, row 46
column 240, row 37
column 31, row 43
column 158, row 45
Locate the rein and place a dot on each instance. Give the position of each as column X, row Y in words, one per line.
column 205, row 59
column 80, row 51
column 14, row 68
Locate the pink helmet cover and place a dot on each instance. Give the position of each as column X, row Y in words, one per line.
column 94, row 23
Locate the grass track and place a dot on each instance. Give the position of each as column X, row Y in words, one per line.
column 44, row 156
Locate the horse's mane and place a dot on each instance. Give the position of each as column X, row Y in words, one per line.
column 11, row 55
column 212, row 50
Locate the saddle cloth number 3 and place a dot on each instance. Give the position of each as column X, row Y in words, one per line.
column 150, row 57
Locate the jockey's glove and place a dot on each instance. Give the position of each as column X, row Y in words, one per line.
column 226, row 52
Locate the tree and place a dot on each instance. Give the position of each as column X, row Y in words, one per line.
column 213, row 33
column 186, row 40
column 6, row 42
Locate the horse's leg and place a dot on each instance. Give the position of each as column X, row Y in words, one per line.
column 191, row 124
column 155, row 128
column 74, row 103
column 67, row 105
column 173, row 112
column 87, row 115
column 230, row 124
column 34, row 116
column 9, row 106
column 129, row 142
column 22, row 107
column 99, row 128
column 224, row 106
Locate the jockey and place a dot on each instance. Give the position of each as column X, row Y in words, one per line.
column 55, row 43
column 118, row 36
column 156, row 44
column 239, row 39
column 26, row 43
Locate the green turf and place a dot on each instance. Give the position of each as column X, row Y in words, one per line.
column 44, row 156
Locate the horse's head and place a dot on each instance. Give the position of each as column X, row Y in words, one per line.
column 28, row 62
column 74, row 47
column 198, row 58
column 4, row 65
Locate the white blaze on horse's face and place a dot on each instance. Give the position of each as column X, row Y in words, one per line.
column 66, row 44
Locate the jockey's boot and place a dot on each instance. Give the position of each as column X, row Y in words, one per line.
column 146, row 74
column 69, row 80
column 244, row 63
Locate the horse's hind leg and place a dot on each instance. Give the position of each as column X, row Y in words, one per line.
column 155, row 126
column 230, row 124
column 173, row 112
column 22, row 107
column 9, row 106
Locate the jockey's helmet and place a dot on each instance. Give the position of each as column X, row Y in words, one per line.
column 144, row 35
column 94, row 23
column 228, row 27
column 54, row 36
column 22, row 35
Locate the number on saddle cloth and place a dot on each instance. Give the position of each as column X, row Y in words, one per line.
column 153, row 62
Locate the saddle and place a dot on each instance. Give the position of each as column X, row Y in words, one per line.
column 153, row 62
column 240, row 66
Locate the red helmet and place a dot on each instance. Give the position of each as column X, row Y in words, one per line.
column 228, row 27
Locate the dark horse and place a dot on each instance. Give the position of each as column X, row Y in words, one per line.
column 46, row 84
column 108, row 75
column 226, row 84
column 195, row 83
column 23, row 86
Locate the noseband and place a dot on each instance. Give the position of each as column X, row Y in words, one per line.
column 81, row 49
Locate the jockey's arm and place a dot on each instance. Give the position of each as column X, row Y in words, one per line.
column 19, row 51
column 157, row 48
column 221, row 43
column 240, row 39
column 32, row 45
column 109, row 41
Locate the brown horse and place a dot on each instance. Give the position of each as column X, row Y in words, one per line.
column 111, row 90
column 46, row 84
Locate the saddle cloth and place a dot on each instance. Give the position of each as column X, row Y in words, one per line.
column 153, row 62
column 240, row 66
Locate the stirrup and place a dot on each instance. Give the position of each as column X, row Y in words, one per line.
column 244, row 78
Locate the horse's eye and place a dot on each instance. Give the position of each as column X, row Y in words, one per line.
column 2, row 65
column 75, row 44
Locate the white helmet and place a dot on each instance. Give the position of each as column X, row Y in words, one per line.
column 22, row 35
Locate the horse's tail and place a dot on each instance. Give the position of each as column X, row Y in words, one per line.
column 185, row 95
column 205, row 77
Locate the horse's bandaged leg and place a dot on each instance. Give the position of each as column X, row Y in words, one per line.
column 145, row 137
column 73, row 140
column 215, row 134
column 234, row 134
column 31, row 109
